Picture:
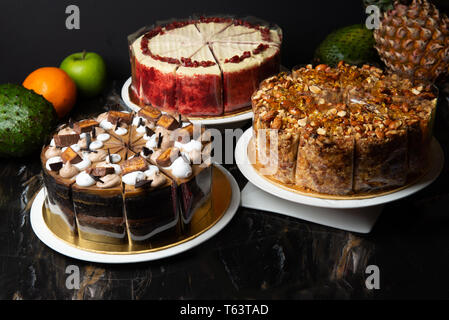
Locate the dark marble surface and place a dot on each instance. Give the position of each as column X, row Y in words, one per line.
column 258, row 255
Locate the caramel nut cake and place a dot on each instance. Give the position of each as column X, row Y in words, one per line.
column 344, row 130
column 127, row 177
column 202, row 67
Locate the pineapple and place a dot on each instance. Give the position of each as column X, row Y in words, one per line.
column 413, row 39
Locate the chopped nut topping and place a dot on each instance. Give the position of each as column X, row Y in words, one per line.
column 302, row 122
column 315, row 89
column 321, row 131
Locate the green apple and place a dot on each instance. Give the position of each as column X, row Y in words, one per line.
column 88, row 71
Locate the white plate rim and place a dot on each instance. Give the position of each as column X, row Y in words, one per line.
column 249, row 172
column 212, row 121
column 42, row 231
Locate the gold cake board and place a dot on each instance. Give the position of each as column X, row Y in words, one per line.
column 204, row 218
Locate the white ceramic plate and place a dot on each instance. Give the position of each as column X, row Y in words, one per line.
column 205, row 122
column 241, row 158
column 46, row 236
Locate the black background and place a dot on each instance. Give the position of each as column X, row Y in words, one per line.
column 33, row 33
column 262, row 255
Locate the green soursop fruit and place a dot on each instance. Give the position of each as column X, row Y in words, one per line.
column 353, row 44
column 26, row 120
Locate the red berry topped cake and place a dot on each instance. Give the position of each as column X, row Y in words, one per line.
column 202, row 67
column 123, row 177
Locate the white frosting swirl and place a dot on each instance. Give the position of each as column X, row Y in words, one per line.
column 114, row 157
column 191, row 150
column 189, row 146
column 83, row 135
column 152, row 141
column 180, row 168
column 84, row 164
column 121, row 131
column 136, row 121
column 52, row 143
column 132, row 177
column 151, row 171
column 84, row 180
column 105, row 124
column 94, row 145
column 141, row 129
column 52, row 160
column 103, row 137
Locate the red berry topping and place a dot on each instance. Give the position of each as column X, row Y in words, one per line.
column 261, row 47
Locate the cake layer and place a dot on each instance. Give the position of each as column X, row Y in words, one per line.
column 242, row 76
column 59, row 199
column 157, row 83
column 194, row 193
column 99, row 207
column 326, row 168
column 380, row 163
column 199, row 90
column 100, row 214
column 150, row 211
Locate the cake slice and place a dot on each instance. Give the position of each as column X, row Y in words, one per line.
column 324, row 149
column 180, row 155
column 211, row 27
column 156, row 74
column 98, row 203
column 184, row 163
column 185, row 30
column 58, row 189
column 243, row 67
column 250, row 35
column 155, row 80
column 151, row 205
column 199, row 85
column 228, row 34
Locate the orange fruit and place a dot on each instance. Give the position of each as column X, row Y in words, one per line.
column 55, row 85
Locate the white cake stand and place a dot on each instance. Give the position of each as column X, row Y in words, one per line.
column 357, row 215
column 44, row 233
column 230, row 121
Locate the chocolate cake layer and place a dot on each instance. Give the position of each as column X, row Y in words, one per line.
column 150, row 212
column 194, row 193
column 59, row 196
column 100, row 213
